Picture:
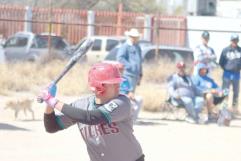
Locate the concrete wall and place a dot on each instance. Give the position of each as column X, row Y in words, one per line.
column 218, row 40
column 229, row 9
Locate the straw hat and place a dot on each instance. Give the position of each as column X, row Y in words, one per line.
column 133, row 33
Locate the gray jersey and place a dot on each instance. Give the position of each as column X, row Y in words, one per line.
column 113, row 141
column 204, row 54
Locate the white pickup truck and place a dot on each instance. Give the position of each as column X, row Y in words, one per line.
column 102, row 45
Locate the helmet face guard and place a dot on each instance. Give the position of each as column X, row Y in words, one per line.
column 103, row 73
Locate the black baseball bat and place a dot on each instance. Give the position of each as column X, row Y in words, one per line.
column 76, row 57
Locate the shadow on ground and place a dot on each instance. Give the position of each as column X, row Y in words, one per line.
column 149, row 122
column 31, row 120
column 4, row 126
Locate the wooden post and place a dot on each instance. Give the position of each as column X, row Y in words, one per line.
column 119, row 19
column 179, row 33
column 59, row 26
column 50, row 27
column 147, row 28
column 158, row 35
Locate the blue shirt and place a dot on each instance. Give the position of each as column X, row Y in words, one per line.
column 124, row 87
column 203, row 83
column 130, row 56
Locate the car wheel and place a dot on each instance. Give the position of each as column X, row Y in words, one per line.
column 32, row 58
column 149, row 57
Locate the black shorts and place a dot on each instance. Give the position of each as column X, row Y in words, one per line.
column 218, row 100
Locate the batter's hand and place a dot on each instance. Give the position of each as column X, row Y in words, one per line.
column 131, row 96
column 47, row 95
column 52, row 88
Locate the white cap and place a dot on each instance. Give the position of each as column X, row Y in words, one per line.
column 133, row 33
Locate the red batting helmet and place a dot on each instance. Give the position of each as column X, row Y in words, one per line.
column 103, row 73
column 119, row 65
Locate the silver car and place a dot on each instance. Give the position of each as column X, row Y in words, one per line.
column 151, row 53
column 30, row 46
column 173, row 53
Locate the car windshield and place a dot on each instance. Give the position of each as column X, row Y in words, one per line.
column 170, row 54
column 17, row 42
column 186, row 55
column 56, row 42
column 176, row 55
column 111, row 44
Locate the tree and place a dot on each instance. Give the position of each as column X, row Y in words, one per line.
column 145, row 6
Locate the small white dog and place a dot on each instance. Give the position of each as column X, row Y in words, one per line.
column 23, row 105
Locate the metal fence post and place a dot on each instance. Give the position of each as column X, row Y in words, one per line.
column 91, row 22
column 28, row 19
column 147, row 28
column 119, row 19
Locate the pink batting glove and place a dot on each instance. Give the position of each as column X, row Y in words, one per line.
column 47, row 98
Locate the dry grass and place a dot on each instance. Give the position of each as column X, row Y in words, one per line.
column 18, row 77
column 153, row 95
column 31, row 77
column 159, row 71
column 217, row 76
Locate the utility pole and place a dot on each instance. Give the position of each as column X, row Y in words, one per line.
column 157, row 33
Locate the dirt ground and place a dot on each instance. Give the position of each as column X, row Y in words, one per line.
column 26, row 140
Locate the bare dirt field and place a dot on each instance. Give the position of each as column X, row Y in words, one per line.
column 26, row 140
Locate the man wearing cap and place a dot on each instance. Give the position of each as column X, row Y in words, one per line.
column 182, row 92
column 213, row 95
column 230, row 61
column 129, row 54
column 204, row 53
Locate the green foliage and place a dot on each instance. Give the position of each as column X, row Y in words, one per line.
column 179, row 10
column 145, row 6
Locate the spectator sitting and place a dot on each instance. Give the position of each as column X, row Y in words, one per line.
column 182, row 92
column 212, row 93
